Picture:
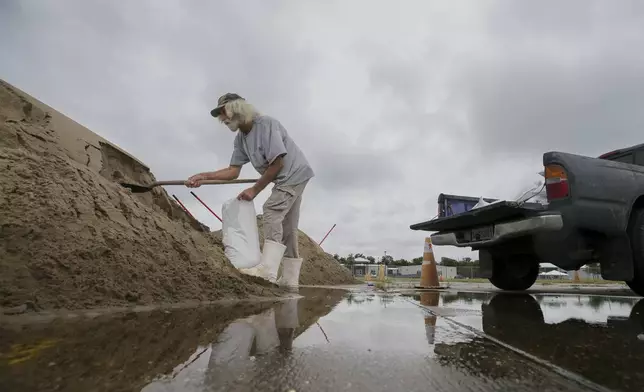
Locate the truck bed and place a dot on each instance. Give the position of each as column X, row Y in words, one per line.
column 496, row 212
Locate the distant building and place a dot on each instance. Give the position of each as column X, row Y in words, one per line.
column 360, row 266
column 410, row 271
column 364, row 267
column 584, row 272
column 547, row 267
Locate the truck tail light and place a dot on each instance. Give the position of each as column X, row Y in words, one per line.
column 557, row 186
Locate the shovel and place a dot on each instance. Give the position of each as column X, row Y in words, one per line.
column 137, row 188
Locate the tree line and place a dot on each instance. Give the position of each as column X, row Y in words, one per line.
column 389, row 260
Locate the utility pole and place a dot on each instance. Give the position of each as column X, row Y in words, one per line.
column 385, row 262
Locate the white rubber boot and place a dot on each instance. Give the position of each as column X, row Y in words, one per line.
column 286, row 321
column 290, row 273
column 266, row 337
column 270, row 263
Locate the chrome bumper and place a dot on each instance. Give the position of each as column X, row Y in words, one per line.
column 506, row 230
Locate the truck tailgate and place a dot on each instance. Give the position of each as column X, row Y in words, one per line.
column 490, row 214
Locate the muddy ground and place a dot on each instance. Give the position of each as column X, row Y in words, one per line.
column 72, row 237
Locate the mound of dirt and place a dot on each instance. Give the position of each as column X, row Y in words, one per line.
column 318, row 267
column 71, row 237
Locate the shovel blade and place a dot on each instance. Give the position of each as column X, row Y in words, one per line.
column 136, row 188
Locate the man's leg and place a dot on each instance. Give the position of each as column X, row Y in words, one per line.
column 274, row 211
column 292, row 261
column 289, row 229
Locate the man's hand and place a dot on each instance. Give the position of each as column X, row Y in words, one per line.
column 248, row 194
column 195, row 181
column 226, row 174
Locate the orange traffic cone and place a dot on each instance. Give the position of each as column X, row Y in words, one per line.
column 428, row 272
column 430, row 299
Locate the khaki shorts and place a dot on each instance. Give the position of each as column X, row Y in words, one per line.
column 281, row 216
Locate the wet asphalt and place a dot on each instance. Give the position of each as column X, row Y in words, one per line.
column 336, row 340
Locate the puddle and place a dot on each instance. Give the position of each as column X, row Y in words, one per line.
column 334, row 340
column 598, row 337
column 594, row 309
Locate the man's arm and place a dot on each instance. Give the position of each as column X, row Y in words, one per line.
column 229, row 173
column 269, row 175
column 226, row 174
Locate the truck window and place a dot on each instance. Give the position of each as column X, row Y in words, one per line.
column 627, row 158
column 639, row 158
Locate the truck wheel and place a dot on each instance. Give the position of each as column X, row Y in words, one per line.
column 636, row 234
column 509, row 273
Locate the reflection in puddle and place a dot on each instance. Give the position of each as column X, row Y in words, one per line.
column 368, row 342
column 235, row 352
column 166, row 349
column 462, row 300
column 597, row 337
column 590, row 340
column 592, row 309
column 336, row 340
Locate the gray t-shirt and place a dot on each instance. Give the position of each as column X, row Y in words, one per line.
column 266, row 141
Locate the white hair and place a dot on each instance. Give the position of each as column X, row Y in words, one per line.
column 241, row 110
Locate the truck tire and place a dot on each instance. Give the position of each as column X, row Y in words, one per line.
column 636, row 234
column 514, row 273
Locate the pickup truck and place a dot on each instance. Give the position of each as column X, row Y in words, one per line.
column 594, row 213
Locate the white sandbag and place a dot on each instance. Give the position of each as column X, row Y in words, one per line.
column 239, row 233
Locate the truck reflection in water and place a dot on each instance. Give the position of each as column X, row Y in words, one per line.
column 609, row 352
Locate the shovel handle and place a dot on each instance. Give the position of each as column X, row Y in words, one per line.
column 207, row 182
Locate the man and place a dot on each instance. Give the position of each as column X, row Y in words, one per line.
column 263, row 141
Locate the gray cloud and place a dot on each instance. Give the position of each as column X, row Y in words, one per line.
column 391, row 110
column 531, row 105
column 558, row 78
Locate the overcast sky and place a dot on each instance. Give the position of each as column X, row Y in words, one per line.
column 393, row 102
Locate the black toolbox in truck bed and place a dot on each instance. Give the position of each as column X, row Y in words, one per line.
column 496, row 212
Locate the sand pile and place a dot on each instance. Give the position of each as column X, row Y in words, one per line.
column 71, row 237
column 319, row 267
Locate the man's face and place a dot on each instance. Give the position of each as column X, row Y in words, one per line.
column 233, row 125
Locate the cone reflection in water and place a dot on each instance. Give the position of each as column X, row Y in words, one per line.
column 430, row 299
column 428, row 272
